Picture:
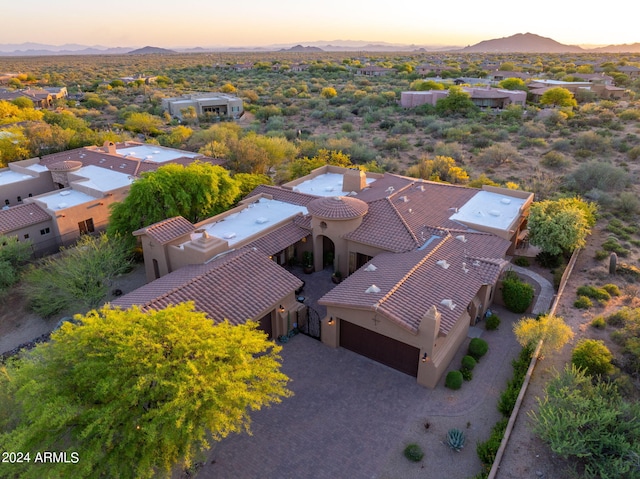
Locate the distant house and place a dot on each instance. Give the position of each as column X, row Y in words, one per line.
column 146, row 79
column 216, row 104
column 299, row 67
column 483, row 97
column 630, row 71
column 54, row 199
column 538, row 87
column 374, row 71
column 241, row 67
column 41, row 98
column 421, row 262
column 498, row 75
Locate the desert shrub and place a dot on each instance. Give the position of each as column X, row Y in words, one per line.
column 499, row 154
column 599, row 294
column 589, row 422
column 467, row 375
column 612, row 289
column 517, row 294
column 555, row 159
column 627, row 204
column 598, row 175
column 561, row 145
column 591, row 141
column 601, row 254
column 413, row 452
column 493, row 322
column 533, row 130
column 598, row 322
column 509, row 396
column 477, row 348
column 583, row 302
column 631, row 272
column 630, row 114
column 548, row 260
column 593, row 356
column 455, row 439
column 453, row 380
column 403, row 128
column 634, row 153
column 487, row 450
column 621, row 230
column 620, row 317
column 468, row 362
column 521, row 261
column 612, row 245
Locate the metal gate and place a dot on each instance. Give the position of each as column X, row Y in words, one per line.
column 311, row 324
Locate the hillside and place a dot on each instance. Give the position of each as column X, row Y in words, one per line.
column 522, row 43
column 150, row 50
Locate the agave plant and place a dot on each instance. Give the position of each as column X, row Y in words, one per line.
column 455, row 439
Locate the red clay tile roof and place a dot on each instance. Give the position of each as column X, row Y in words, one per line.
column 383, row 187
column 282, row 194
column 337, row 207
column 65, row 165
column 411, row 283
column 237, row 286
column 167, row 230
column 279, row 239
column 21, row 216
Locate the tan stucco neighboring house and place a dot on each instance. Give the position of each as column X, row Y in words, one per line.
column 421, row 259
column 217, row 104
column 75, row 188
column 483, row 97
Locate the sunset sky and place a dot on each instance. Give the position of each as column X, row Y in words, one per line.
column 134, row 23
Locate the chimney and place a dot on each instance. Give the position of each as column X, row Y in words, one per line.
column 354, row 180
column 109, row 147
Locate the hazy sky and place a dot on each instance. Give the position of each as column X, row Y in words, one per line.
column 134, row 23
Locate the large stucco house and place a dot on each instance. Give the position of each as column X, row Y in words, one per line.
column 420, row 260
column 52, row 200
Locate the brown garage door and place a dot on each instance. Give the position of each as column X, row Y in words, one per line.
column 383, row 349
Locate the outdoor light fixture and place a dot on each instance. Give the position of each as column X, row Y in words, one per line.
column 281, row 309
column 331, row 320
column 424, row 358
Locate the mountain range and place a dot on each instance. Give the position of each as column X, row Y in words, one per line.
column 518, row 43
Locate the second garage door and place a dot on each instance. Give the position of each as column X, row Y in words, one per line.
column 385, row 350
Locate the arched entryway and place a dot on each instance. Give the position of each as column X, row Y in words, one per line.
column 325, row 253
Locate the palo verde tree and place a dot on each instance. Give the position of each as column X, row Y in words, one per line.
column 550, row 329
column 558, row 96
column 134, row 393
column 560, row 226
column 196, row 192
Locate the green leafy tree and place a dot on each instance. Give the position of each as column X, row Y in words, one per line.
column 588, row 422
column 457, row 102
column 440, row 168
column 552, row 330
column 558, row 96
column 177, row 138
column 513, row 84
column 424, row 85
column 196, row 192
column 14, row 145
column 13, row 256
column 79, row 278
column 144, row 123
column 560, row 226
column 304, row 166
column 135, row 393
column 248, row 182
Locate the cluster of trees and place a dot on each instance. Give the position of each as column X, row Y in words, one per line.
column 133, row 394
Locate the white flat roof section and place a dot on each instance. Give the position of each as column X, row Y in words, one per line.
column 490, row 209
column 253, row 219
column 8, row 176
column 101, row 179
column 37, row 167
column 154, row 153
column 327, row 184
column 63, row 199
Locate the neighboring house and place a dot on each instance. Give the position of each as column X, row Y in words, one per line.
column 538, row 87
column 241, row 67
column 421, row 261
column 629, row 70
column 75, row 188
column 40, row 98
column 29, row 222
column 57, row 92
column 498, row 75
column 299, row 67
column 483, row 97
column 146, row 79
column 594, row 78
column 374, row 71
column 217, row 104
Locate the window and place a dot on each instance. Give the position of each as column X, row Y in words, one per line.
column 45, row 231
column 19, row 199
column 86, row 226
column 7, row 202
column 26, row 236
